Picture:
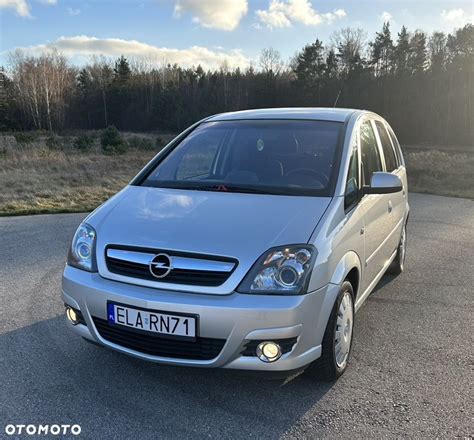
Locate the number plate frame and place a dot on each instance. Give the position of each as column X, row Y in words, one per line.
column 156, row 312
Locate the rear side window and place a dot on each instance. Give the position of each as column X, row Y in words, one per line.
column 371, row 162
column 396, row 146
column 388, row 151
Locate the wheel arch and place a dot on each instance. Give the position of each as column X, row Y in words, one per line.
column 348, row 268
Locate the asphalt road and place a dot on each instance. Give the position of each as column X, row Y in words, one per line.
column 411, row 372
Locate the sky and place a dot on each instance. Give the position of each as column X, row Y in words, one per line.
column 206, row 32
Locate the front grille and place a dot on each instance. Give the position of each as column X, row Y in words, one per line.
column 199, row 349
column 286, row 345
column 178, row 275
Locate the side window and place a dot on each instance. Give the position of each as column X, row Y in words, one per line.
column 369, row 151
column 198, row 159
column 352, row 184
column 396, row 146
column 388, row 151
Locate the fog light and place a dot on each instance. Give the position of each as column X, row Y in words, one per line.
column 72, row 315
column 268, row 351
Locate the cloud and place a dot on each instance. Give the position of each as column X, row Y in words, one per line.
column 456, row 17
column 386, row 17
column 82, row 46
column 340, row 13
column 22, row 7
column 218, row 14
column 283, row 13
column 19, row 6
column 72, row 11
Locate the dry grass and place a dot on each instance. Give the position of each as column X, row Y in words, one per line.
column 54, row 181
column 441, row 172
column 40, row 180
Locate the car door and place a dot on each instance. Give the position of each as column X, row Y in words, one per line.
column 397, row 201
column 377, row 207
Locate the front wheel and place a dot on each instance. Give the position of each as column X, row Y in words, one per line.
column 337, row 340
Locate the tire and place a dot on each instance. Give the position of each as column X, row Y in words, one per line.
column 332, row 364
column 398, row 264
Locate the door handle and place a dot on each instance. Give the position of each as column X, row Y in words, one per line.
column 390, row 207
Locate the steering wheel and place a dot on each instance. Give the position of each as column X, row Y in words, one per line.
column 320, row 177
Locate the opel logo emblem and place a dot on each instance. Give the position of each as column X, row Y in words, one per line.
column 160, row 266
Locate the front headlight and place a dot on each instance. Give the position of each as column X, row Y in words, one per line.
column 82, row 250
column 282, row 270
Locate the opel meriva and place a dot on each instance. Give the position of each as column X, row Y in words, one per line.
column 248, row 242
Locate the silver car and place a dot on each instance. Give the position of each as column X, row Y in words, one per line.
column 249, row 242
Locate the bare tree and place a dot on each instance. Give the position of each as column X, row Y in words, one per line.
column 270, row 61
column 101, row 72
column 24, row 77
column 350, row 46
column 43, row 84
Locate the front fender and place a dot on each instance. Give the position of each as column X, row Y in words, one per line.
column 348, row 262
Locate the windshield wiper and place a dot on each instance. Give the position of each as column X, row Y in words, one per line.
column 219, row 187
column 223, row 187
column 226, row 188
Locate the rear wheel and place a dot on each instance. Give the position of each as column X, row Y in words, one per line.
column 337, row 340
column 398, row 264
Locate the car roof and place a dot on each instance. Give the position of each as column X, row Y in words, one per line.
column 308, row 113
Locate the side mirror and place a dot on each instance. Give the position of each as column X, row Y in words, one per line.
column 384, row 183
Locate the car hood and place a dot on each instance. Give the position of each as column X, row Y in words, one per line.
column 241, row 226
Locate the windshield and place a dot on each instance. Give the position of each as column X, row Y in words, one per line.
column 259, row 156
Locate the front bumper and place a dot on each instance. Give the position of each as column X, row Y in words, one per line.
column 237, row 318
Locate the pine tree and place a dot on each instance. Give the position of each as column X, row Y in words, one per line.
column 331, row 65
column 401, row 53
column 417, row 60
column 382, row 51
column 119, row 94
column 85, row 93
column 122, row 71
column 438, row 51
column 310, row 62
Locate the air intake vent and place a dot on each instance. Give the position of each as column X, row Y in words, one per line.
column 200, row 349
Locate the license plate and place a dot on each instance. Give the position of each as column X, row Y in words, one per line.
column 152, row 321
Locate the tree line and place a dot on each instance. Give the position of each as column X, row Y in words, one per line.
column 422, row 84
